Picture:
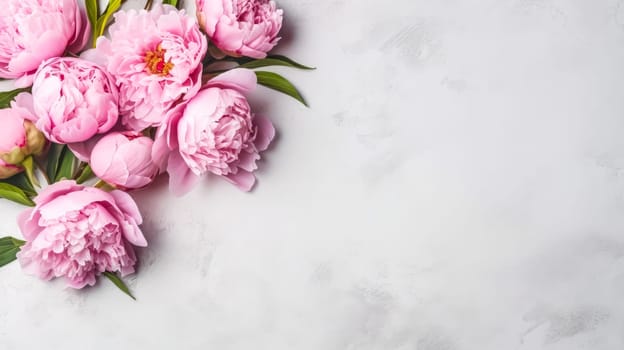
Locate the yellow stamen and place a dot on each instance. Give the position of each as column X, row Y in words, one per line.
column 155, row 62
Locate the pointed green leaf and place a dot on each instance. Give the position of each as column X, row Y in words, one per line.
column 8, row 256
column 66, row 165
column 7, row 96
column 22, row 183
column 277, row 82
column 15, row 194
column 29, row 167
column 11, row 241
column 274, row 60
column 171, row 2
column 53, row 160
column 119, row 283
column 9, row 247
column 92, row 11
column 102, row 22
column 85, row 174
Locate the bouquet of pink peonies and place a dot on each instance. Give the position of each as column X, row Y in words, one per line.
column 97, row 116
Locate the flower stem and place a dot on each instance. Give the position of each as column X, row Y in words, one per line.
column 104, row 186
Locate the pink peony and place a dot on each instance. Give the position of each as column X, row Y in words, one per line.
column 155, row 58
column 18, row 138
column 78, row 232
column 215, row 132
column 124, row 160
column 241, row 27
column 32, row 31
column 74, row 100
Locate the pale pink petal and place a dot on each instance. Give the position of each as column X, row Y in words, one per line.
column 82, row 150
column 82, row 34
column 240, row 79
column 27, row 225
column 129, row 207
column 265, row 132
column 181, row 178
column 244, row 180
column 247, row 161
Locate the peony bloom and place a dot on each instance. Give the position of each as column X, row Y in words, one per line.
column 124, row 159
column 31, row 31
column 18, row 138
column 74, row 100
column 78, row 232
column 241, row 27
column 215, row 132
column 155, row 58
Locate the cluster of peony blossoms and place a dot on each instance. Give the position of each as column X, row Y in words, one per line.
column 117, row 111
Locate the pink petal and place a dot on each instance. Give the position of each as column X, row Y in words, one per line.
column 129, row 207
column 227, row 36
column 24, row 101
column 60, row 188
column 181, row 178
column 82, row 150
column 247, row 161
column 75, row 130
column 160, row 153
column 48, row 45
column 82, row 34
column 24, row 81
column 27, row 225
column 241, row 79
column 244, row 180
column 266, row 132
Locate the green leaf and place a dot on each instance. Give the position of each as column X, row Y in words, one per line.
column 277, row 82
column 119, row 283
column 9, row 247
column 7, row 96
column 15, row 194
column 102, row 22
column 8, row 255
column 29, row 166
column 93, row 10
column 67, row 163
column 22, row 183
column 275, row 60
column 171, row 2
column 54, row 155
column 85, row 174
column 11, row 241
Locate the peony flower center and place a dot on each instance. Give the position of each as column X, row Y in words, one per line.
column 155, row 62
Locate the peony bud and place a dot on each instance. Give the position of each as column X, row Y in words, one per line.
column 18, row 139
column 124, row 159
